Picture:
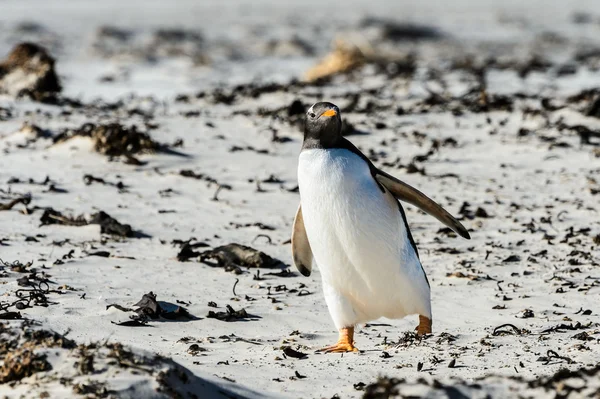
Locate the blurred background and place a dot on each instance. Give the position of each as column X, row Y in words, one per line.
column 189, row 45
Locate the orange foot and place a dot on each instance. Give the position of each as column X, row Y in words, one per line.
column 424, row 326
column 344, row 344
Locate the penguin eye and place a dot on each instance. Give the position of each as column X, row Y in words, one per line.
column 312, row 115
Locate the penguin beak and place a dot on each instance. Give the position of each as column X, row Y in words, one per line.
column 329, row 113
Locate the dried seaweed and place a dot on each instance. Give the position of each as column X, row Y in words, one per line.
column 567, row 327
column 261, row 226
column 382, row 389
column 148, row 308
column 231, row 315
column 25, row 200
column 108, row 225
column 560, row 384
column 509, row 329
column 553, row 355
column 94, row 389
column 187, row 252
column 89, row 180
column 35, row 291
column 20, row 355
column 51, row 216
column 115, row 140
column 290, row 352
column 20, row 364
column 233, row 256
column 10, row 316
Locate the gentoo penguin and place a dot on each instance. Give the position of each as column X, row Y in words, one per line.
column 350, row 221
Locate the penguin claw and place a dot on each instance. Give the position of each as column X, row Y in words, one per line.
column 340, row 347
column 345, row 342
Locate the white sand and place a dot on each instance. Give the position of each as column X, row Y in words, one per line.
column 496, row 171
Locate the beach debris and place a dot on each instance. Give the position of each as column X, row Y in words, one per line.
column 553, row 355
column 186, row 251
column 108, row 224
column 52, row 185
column 90, row 179
column 292, row 114
column 283, row 273
column 29, row 71
column 208, row 179
column 19, row 364
column 467, row 213
column 472, row 277
column 177, row 42
column 261, row 226
column 348, row 56
column 195, row 349
column 198, row 176
column 359, row 386
column 116, row 140
column 101, row 254
column 88, row 369
column 234, row 255
column 594, row 107
column 344, row 58
column 231, row 314
column 512, row 258
column 297, row 375
column 290, row 352
column 509, row 329
column 567, row 327
column 148, row 308
column 25, row 200
column 558, row 384
column 10, row 316
column 285, row 47
column 52, row 216
column 168, row 42
column 112, row 41
column 527, row 314
column 19, row 350
column 34, row 291
column 398, row 31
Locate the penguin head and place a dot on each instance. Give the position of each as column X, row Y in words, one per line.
column 323, row 124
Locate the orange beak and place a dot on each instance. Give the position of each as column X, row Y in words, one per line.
column 329, row 112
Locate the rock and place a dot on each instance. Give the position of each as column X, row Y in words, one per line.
column 29, row 71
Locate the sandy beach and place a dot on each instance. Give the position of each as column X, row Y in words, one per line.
column 148, row 159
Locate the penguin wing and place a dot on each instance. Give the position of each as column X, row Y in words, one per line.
column 407, row 193
column 301, row 251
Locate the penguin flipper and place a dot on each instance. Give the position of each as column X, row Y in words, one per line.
column 407, row 193
column 301, row 251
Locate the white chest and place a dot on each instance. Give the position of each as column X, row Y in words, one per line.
column 335, row 184
column 346, row 214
